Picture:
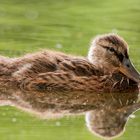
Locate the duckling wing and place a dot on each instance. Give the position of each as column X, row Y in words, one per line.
column 60, row 82
column 46, row 62
column 48, row 72
column 79, row 67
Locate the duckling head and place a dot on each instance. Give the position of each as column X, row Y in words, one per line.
column 109, row 52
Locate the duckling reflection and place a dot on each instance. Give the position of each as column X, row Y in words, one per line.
column 109, row 122
column 62, row 84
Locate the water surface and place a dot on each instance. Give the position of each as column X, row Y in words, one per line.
column 68, row 26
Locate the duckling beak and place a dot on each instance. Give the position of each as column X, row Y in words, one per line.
column 129, row 70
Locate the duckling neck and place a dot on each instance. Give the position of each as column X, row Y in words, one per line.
column 98, row 62
column 102, row 68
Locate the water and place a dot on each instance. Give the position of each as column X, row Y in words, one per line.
column 68, row 26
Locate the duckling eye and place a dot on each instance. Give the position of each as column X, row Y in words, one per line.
column 111, row 49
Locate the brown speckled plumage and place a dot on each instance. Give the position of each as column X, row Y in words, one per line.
column 47, row 79
column 66, row 84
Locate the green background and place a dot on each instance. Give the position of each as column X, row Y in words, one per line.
column 68, row 26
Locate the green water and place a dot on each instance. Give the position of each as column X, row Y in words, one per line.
column 68, row 26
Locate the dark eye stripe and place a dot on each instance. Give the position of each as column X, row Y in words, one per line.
column 120, row 56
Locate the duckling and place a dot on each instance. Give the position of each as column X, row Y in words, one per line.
column 49, row 82
column 57, row 81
